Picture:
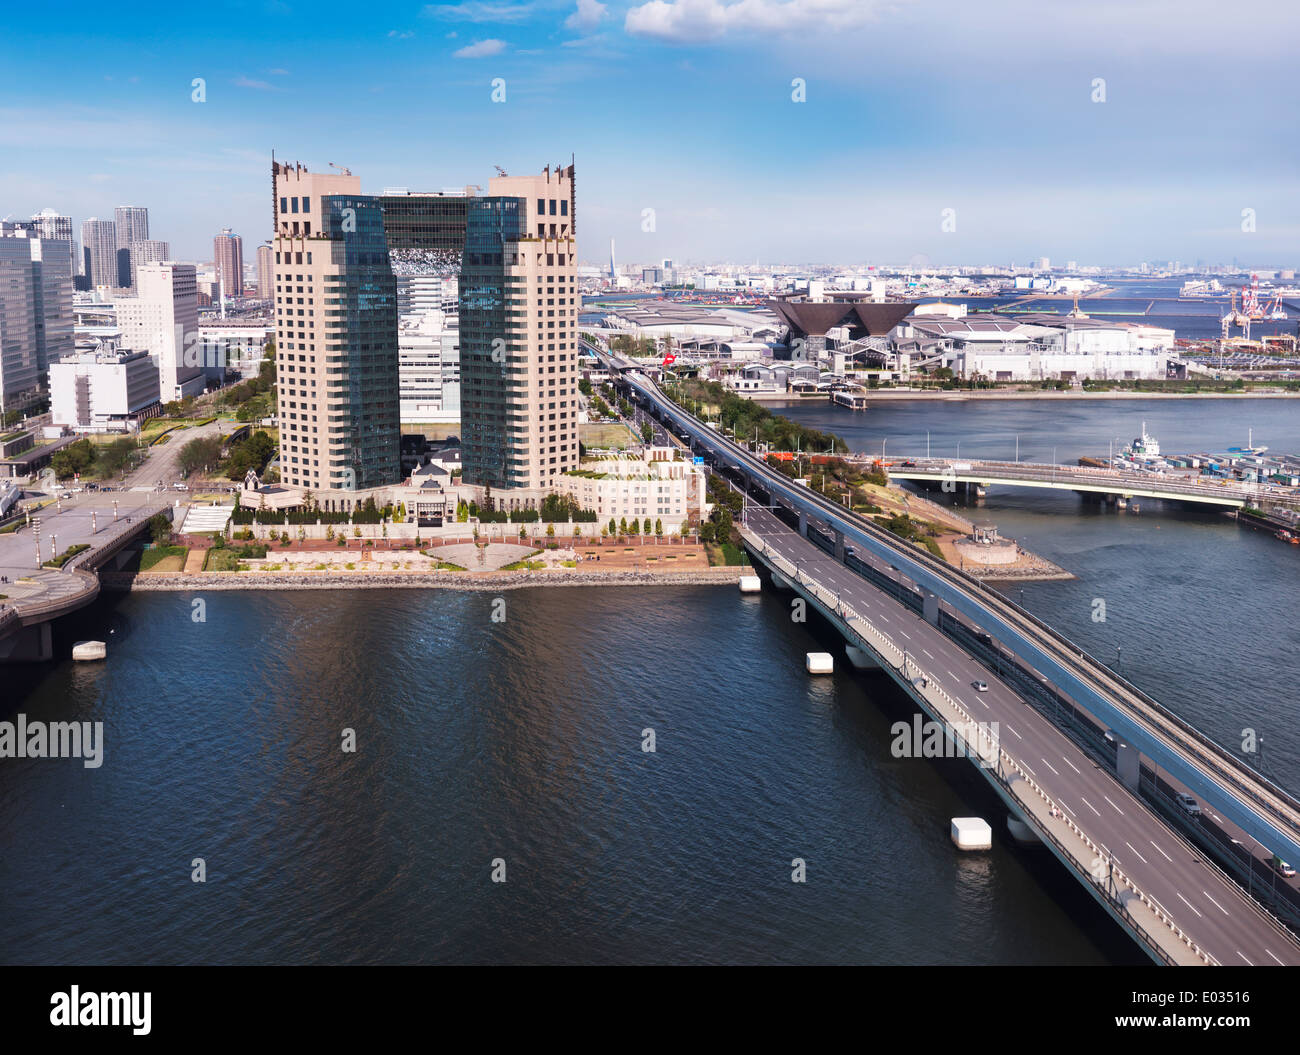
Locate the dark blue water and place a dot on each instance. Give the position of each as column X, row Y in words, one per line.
column 518, row 740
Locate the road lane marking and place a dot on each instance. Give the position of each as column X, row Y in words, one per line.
column 1066, row 808
column 1029, row 767
column 1279, row 962
column 1162, row 853
column 1112, row 802
column 1071, row 765
column 927, row 652
column 1135, row 850
column 953, row 676
column 1050, row 766
column 1090, row 806
column 1215, row 903
column 906, row 634
column 1239, row 953
column 1013, row 732
column 1189, row 904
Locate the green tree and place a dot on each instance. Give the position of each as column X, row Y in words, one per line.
column 622, row 526
column 659, row 528
column 160, row 528
column 635, row 526
column 200, row 454
column 613, row 528
column 647, row 433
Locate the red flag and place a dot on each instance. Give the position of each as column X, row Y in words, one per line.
column 669, row 359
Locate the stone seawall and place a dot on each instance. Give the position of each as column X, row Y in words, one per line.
column 512, row 580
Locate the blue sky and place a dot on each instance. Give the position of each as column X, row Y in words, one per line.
column 685, row 107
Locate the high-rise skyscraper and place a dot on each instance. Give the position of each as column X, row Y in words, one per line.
column 20, row 373
column 228, row 254
column 148, row 251
column 50, row 260
column 132, row 223
column 163, row 320
column 48, row 223
column 266, row 272
column 519, row 337
column 335, row 338
column 99, row 246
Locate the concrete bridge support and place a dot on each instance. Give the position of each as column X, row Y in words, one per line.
column 861, row 658
column 839, row 545
column 803, row 523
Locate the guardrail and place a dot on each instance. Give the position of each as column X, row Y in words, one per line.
column 869, row 636
column 1169, row 730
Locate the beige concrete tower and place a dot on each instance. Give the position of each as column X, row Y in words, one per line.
column 335, row 336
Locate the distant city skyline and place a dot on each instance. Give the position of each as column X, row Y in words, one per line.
column 1126, row 134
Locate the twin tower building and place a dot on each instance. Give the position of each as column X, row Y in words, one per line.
column 336, row 252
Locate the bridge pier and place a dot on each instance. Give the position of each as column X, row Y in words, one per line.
column 861, row 658
column 803, row 523
column 839, row 544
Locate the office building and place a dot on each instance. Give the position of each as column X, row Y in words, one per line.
column 265, row 272
column 99, row 251
column 106, row 390
column 132, row 225
column 519, row 337
column 429, row 368
column 147, row 251
column 48, row 223
column 336, row 336
column 20, row 374
column 228, row 255
column 163, row 320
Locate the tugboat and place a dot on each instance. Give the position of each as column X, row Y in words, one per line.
column 1285, row 536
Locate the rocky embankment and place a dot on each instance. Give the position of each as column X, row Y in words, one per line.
column 450, row 580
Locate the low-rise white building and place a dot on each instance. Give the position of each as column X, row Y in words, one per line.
column 660, row 484
column 103, row 391
column 1038, row 347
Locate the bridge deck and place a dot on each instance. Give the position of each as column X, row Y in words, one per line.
column 1206, row 905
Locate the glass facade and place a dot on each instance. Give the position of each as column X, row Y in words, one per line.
column 489, row 301
column 361, row 346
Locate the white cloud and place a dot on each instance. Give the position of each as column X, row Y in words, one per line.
column 400, row 35
column 249, row 82
column 587, row 17
column 694, row 21
column 478, row 11
column 480, row 49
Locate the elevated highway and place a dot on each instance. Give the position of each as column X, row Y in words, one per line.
column 1168, row 486
column 1164, row 892
column 1262, row 810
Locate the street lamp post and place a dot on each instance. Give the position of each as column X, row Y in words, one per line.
column 1119, row 654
